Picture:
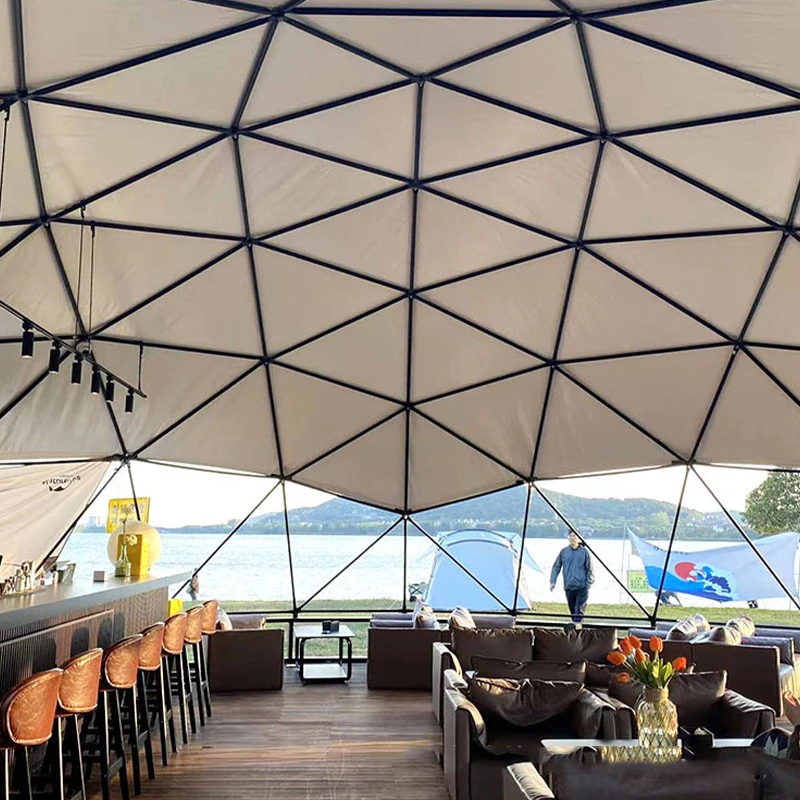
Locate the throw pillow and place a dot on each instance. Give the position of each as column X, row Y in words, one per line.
column 461, row 619
column 574, row 672
column 425, row 618
column 600, row 676
column 523, row 703
column 744, row 625
column 780, row 777
column 223, row 620
column 631, row 692
column 587, row 644
column 697, row 696
column 722, row 634
column 701, row 623
column 248, row 621
column 683, row 631
column 509, row 644
column 785, row 646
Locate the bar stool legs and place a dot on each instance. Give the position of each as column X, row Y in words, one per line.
column 197, row 674
column 162, row 710
column 109, row 725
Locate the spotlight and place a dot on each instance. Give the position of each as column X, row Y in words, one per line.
column 77, row 369
column 129, row 402
column 55, row 358
column 95, row 380
column 27, row 339
column 110, row 387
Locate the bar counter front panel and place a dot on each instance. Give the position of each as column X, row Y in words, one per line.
column 43, row 629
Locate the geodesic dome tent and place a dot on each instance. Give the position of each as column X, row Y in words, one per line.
column 407, row 252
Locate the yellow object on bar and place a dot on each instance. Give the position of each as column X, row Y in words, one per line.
column 174, row 607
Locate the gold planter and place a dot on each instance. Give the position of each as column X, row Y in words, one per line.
column 657, row 721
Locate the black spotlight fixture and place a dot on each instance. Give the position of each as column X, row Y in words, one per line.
column 95, row 380
column 55, row 358
column 27, row 339
column 129, row 402
column 77, row 370
column 110, row 389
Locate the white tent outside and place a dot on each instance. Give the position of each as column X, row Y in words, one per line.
column 406, row 252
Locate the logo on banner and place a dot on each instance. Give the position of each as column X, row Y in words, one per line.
column 709, row 580
column 60, row 482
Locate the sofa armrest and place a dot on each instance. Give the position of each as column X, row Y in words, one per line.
column 624, row 716
column 453, row 679
column 443, row 659
column 523, row 782
column 493, row 620
column 593, row 717
column 250, row 659
column 462, row 723
column 743, row 718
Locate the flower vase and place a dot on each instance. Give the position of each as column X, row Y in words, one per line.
column 122, row 566
column 657, row 721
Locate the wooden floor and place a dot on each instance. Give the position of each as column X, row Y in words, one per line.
column 315, row 742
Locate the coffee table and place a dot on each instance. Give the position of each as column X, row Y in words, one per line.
column 324, row 669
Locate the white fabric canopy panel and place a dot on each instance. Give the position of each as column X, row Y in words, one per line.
column 407, row 251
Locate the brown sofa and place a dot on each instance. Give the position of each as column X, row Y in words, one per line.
column 478, row 749
column 246, row 659
column 401, row 658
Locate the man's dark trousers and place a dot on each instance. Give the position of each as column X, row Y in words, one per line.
column 576, row 600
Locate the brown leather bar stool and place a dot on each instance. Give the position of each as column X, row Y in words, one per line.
column 151, row 671
column 193, row 641
column 172, row 653
column 209, row 629
column 27, row 713
column 77, row 696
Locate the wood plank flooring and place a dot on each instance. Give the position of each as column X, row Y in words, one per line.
column 325, row 741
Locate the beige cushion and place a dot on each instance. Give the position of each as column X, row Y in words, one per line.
column 722, row 634
column 701, row 623
column 223, row 620
column 461, row 619
column 247, row 621
column 744, row 625
column 683, row 631
column 524, row 702
column 574, row 672
column 425, row 618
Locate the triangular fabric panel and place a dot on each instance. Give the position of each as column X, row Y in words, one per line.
column 459, row 131
column 448, row 354
column 755, row 422
column 321, row 72
column 776, row 318
column 130, row 266
column 562, row 91
column 482, row 241
column 668, row 394
column 581, row 435
column 373, row 464
column 300, row 300
column 693, row 270
column 202, row 83
column 315, row 416
column 378, row 131
column 734, row 157
column 370, row 353
column 442, row 468
column 8, row 79
column 284, row 187
column 10, row 232
column 198, row 193
column 634, row 197
column 548, row 191
column 175, row 384
column 19, row 191
column 374, row 239
column 537, row 5
column 57, row 34
column 234, row 431
column 423, row 44
column 757, row 39
column 18, row 374
column 608, row 313
column 215, row 310
column 641, row 86
column 522, row 303
column 30, row 283
column 509, row 430
column 783, row 364
column 57, row 419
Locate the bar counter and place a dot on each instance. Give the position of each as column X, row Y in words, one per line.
column 44, row 628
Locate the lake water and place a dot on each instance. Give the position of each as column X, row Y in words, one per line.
column 256, row 567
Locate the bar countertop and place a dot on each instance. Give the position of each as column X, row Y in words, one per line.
column 80, row 595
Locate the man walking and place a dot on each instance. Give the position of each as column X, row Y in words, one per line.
column 576, row 563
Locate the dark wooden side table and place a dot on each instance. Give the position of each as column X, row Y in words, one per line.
column 324, row 669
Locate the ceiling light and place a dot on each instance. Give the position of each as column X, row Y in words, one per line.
column 95, row 380
column 27, row 339
column 55, row 358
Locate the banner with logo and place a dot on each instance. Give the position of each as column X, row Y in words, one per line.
column 121, row 509
column 38, row 503
column 724, row 573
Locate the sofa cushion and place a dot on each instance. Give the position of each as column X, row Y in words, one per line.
column 721, row 634
column 744, row 625
column 223, row 620
column 696, row 780
column 587, row 644
column 509, row 644
column 683, row 631
column 523, row 702
column 461, row 619
column 424, row 617
column 701, row 623
column 599, row 676
column 244, row 622
column 780, row 777
column 781, row 633
column 697, row 696
column 574, row 671
column 785, row 646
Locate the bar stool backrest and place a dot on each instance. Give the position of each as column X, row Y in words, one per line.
column 174, row 633
column 28, row 710
column 80, row 683
column 121, row 663
column 210, row 617
column 150, row 650
column 194, row 625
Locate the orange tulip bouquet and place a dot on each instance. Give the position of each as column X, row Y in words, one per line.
column 652, row 672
